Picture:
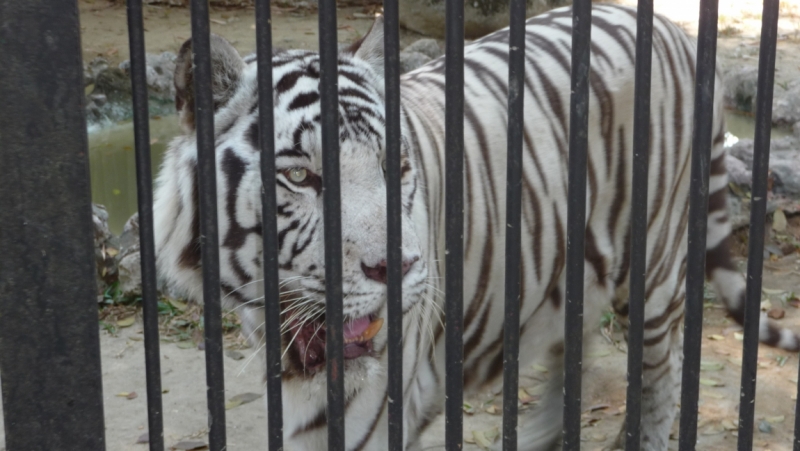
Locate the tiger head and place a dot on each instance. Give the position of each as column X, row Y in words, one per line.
column 298, row 154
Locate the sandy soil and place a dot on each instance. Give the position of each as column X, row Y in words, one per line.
column 104, row 34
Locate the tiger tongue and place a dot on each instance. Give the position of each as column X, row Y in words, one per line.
column 361, row 329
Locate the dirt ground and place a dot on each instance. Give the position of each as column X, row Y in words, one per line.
column 104, row 34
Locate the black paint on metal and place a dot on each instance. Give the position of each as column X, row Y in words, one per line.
column 209, row 233
column 49, row 337
column 272, row 311
column 144, row 186
column 454, row 224
column 516, row 124
column 638, row 250
column 758, row 211
column 576, row 218
column 698, row 212
column 331, row 189
column 394, row 245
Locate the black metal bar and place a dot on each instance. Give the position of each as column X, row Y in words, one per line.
column 516, row 102
column 758, row 211
column 638, row 264
column 394, row 245
column 454, row 224
column 49, row 339
column 209, row 233
column 698, row 213
column 329, row 105
column 576, row 220
column 269, row 210
column 144, row 186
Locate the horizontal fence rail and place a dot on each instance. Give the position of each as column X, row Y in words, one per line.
column 47, row 262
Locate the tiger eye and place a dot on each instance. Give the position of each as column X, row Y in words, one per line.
column 298, row 175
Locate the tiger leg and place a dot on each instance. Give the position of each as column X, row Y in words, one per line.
column 539, row 429
column 662, row 363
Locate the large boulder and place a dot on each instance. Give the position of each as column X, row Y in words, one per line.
column 481, row 17
column 784, row 163
column 786, row 103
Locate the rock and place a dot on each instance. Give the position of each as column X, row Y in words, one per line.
column 106, row 249
column 740, row 88
column 427, row 46
column 130, row 270
column 412, row 60
column 92, row 69
column 738, row 172
column 114, row 83
column 784, row 162
column 481, row 17
column 786, row 103
column 159, row 71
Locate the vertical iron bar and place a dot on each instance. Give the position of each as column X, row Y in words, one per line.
column 454, row 223
column 329, row 104
column 576, row 220
column 638, row 250
column 698, row 213
column 394, row 245
column 144, row 185
column 758, row 211
column 49, row 340
column 209, row 234
column 516, row 100
column 272, row 311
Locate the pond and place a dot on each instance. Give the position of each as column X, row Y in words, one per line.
column 113, row 169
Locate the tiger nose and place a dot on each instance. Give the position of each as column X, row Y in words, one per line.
column 378, row 272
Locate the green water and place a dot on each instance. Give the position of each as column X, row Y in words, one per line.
column 114, row 170
column 113, row 167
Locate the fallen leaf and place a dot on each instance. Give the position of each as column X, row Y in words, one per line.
column 235, row 355
column 144, row 438
column 123, row 394
column 126, row 322
column 219, row 22
column 711, row 394
column 716, row 337
column 778, row 221
column 766, row 304
column 730, row 425
column 539, row 368
column 88, row 89
column 711, row 382
column 240, row 399
column 467, row 407
column 708, row 365
column 113, row 51
column 777, row 419
column 492, row 410
column 177, row 304
column 776, row 313
column 738, row 336
column 770, row 291
column 189, row 446
column 485, row 439
column 525, row 397
column 132, row 395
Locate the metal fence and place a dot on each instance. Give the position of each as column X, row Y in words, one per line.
column 49, row 345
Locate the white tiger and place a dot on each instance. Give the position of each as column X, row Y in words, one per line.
column 361, row 97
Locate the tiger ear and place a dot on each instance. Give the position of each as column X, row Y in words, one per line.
column 370, row 47
column 226, row 72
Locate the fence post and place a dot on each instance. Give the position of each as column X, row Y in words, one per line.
column 49, row 339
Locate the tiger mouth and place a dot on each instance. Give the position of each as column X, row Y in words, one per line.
column 308, row 340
